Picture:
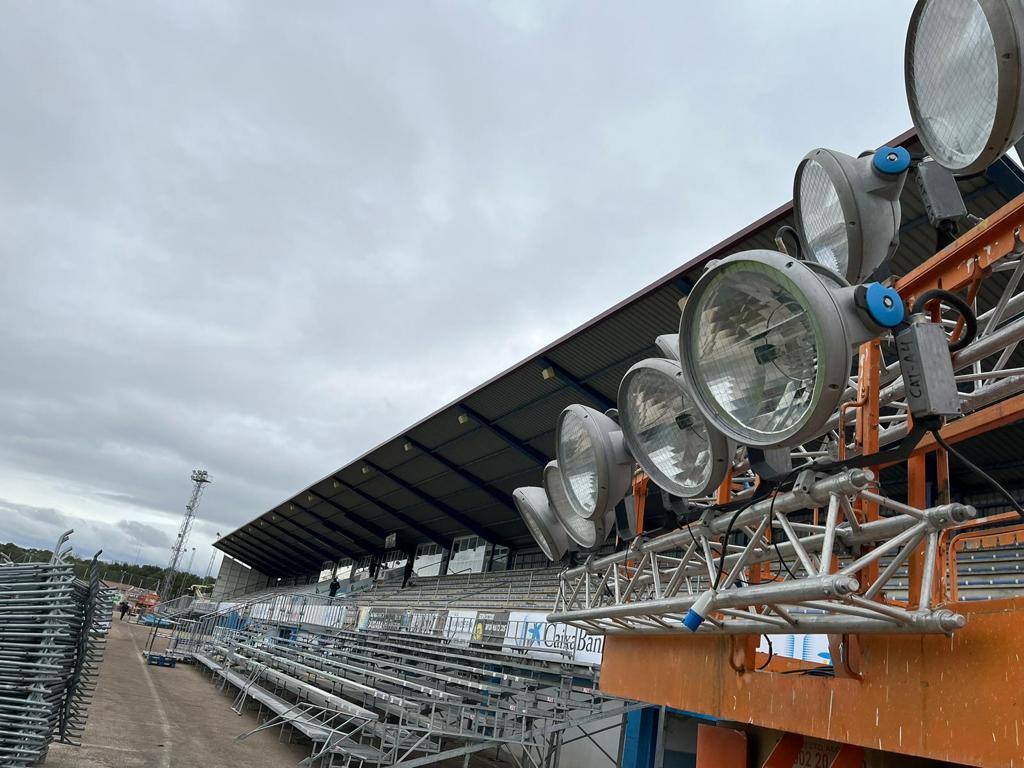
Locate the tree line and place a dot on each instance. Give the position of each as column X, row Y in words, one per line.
column 143, row 576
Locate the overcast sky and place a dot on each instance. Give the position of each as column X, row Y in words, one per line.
column 260, row 238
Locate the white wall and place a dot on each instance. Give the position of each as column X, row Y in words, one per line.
column 235, row 579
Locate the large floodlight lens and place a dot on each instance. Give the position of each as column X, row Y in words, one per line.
column 588, row 534
column 596, row 470
column 576, row 451
column 541, row 521
column 963, row 77
column 847, row 209
column 765, row 349
column 824, row 225
column 666, row 433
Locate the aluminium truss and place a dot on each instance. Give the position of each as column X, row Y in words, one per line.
column 820, row 578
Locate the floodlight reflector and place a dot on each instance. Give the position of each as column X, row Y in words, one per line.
column 847, row 209
column 766, row 346
column 541, row 521
column 596, row 470
column 824, row 225
column 963, row 77
column 586, row 533
column 666, row 432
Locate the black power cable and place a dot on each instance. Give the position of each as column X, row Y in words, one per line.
column 785, row 229
column 957, row 303
column 979, row 472
column 771, row 653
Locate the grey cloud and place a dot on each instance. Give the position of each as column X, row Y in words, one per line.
column 122, row 540
column 262, row 238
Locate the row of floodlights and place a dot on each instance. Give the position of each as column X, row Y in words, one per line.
column 765, row 344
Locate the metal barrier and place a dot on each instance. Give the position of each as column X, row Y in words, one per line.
column 53, row 629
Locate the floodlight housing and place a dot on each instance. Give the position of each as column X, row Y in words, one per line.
column 667, row 434
column 541, row 521
column 596, row 468
column 766, row 343
column 848, row 209
column 668, row 345
column 964, row 70
column 587, row 534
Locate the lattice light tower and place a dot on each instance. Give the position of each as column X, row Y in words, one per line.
column 200, row 478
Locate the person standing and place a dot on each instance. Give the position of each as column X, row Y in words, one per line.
column 335, row 586
column 124, row 608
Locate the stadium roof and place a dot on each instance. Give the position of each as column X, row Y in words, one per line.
column 453, row 472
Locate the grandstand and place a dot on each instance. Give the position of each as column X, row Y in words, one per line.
column 462, row 659
column 842, row 594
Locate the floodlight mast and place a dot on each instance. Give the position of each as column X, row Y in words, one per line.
column 200, row 477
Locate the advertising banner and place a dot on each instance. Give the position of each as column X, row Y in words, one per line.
column 490, row 628
column 458, row 626
column 533, row 635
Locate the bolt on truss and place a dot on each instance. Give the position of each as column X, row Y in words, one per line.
column 789, row 575
column 812, row 559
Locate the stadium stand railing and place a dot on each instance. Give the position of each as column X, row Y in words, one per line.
column 393, row 676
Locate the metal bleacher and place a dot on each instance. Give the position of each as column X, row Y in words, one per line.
column 367, row 692
column 534, row 588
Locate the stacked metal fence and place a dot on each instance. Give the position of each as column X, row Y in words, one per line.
column 53, row 628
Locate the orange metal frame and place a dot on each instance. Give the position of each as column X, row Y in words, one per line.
column 917, row 695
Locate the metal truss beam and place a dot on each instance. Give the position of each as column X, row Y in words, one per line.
column 354, row 517
column 420, row 528
column 324, row 554
column 266, row 552
column 519, row 445
column 333, row 527
column 467, row 522
column 577, row 384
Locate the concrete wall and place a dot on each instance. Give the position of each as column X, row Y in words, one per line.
column 235, row 579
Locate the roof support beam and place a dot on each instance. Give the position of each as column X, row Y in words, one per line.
column 499, row 496
column 417, row 526
column 268, row 550
column 235, row 550
column 577, row 384
column 333, row 527
column 362, row 522
column 1008, row 178
column 319, row 551
column 683, row 284
column 467, row 522
column 521, row 446
column 256, row 560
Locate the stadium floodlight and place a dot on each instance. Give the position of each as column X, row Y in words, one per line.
column 766, row 344
column 848, row 208
column 596, row 468
column 667, row 434
column 964, row 69
column 541, row 521
column 588, row 534
column 668, row 345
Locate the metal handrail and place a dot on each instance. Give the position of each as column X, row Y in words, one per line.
column 957, row 544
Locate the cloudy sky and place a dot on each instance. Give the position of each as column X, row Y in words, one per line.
column 260, row 237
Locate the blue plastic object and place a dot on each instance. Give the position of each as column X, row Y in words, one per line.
column 692, row 620
column 891, row 161
column 884, row 305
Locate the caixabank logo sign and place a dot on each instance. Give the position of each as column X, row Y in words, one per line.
column 532, row 632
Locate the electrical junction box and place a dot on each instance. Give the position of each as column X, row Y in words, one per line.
column 927, row 369
column 940, row 193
